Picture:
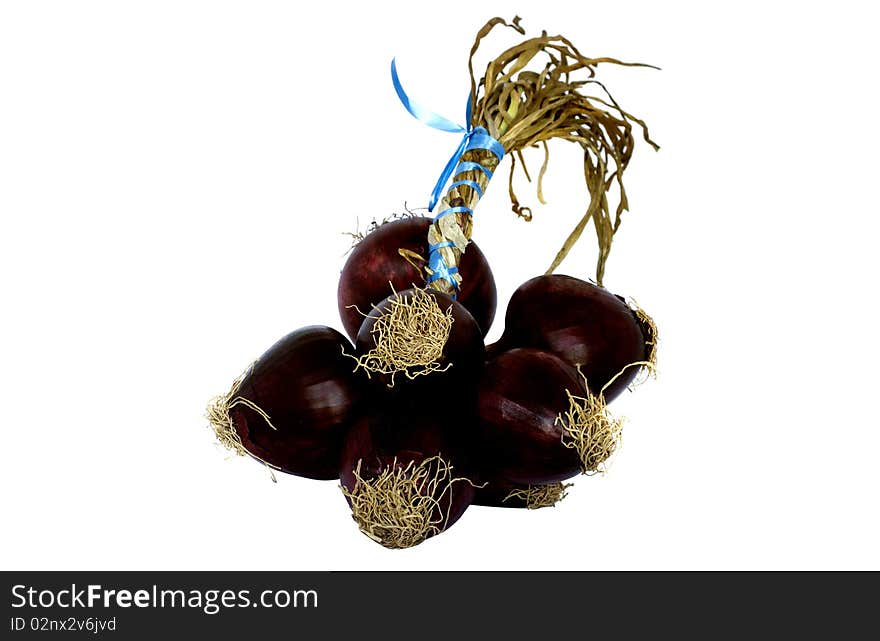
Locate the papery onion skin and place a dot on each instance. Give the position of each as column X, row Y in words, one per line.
column 496, row 493
column 306, row 387
column 375, row 269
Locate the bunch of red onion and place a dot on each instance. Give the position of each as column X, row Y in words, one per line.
column 413, row 414
column 528, row 412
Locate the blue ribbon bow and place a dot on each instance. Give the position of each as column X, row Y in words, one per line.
column 472, row 138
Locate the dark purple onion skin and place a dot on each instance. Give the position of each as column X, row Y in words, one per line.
column 375, row 263
column 306, row 386
column 584, row 324
column 464, row 350
column 493, row 492
column 386, row 437
column 520, row 395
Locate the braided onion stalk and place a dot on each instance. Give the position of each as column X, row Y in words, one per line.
column 519, row 108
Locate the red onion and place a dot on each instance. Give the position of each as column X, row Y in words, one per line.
column 585, row 325
column 375, row 269
column 522, row 394
column 400, row 476
column 420, row 339
column 291, row 409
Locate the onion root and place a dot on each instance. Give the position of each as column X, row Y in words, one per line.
column 652, row 339
column 220, row 420
column 409, row 338
column 590, row 430
column 538, row 496
column 403, row 506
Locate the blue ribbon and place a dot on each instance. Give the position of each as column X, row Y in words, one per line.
column 468, row 183
column 439, row 268
column 467, row 165
column 472, row 138
column 454, row 210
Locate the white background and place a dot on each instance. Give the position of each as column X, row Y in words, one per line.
column 175, row 178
